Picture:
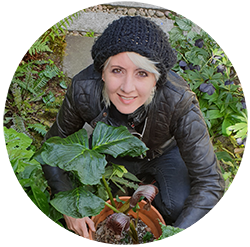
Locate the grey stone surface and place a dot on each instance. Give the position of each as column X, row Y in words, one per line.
column 78, row 50
column 78, row 54
column 99, row 21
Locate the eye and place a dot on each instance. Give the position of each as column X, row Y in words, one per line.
column 142, row 73
column 116, row 71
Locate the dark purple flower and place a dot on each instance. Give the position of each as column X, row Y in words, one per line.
column 194, row 67
column 228, row 82
column 207, row 88
column 243, row 102
column 183, row 65
column 199, row 43
column 214, row 60
column 118, row 222
column 149, row 191
column 220, row 68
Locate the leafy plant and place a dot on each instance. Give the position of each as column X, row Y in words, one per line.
column 74, row 154
column 29, row 26
column 210, row 74
column 23, row 89
column 27, row 214
column 174, row 236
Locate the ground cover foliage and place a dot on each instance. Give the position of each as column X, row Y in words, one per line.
column 38, row 88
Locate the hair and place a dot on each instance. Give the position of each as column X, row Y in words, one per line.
column 141, row 62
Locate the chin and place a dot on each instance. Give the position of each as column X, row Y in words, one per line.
column 125, row 110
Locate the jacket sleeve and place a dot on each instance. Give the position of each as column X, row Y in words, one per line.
column 207, row 183
column 67, row 122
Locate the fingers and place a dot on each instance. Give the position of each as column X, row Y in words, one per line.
column 79, row 226
column 91, row 224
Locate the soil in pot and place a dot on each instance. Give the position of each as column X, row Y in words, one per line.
column 150, row 218
column 105, row 235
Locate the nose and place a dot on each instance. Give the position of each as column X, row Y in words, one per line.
column 128, row 84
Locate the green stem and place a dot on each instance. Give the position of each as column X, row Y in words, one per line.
column 109, row 191
column 113, row 208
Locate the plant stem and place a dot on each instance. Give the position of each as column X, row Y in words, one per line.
column 109, row 191
column 113, row 208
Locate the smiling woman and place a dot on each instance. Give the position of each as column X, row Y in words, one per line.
column 131, row 84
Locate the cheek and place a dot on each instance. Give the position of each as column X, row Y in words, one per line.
column 111, row 87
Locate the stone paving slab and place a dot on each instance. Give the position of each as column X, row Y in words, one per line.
column 135, row 5
column 78, row 54
column 99, row 21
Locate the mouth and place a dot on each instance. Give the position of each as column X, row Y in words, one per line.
column 127, row 100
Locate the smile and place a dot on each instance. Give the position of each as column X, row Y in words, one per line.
column 127, row 98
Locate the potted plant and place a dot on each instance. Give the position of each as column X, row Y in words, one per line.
column 91, row 173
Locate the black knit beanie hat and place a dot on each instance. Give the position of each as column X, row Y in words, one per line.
column 135, row 34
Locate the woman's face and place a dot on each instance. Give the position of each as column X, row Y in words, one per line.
column 127, row 86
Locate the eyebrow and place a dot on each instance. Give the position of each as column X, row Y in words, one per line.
column 119, row 66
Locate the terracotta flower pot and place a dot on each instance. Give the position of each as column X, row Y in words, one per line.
column 150, row 218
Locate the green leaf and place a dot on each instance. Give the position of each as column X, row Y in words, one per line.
column 125, row 182
column 72, row 154
column 184, row 24
column 223, row 155
column 174, row 236
column 116, row 141
column 17, row 145
column 214, row 114
column 77, row 203
column 225, row 124
column 41, row 199
column 88, row 164
column 176, row 34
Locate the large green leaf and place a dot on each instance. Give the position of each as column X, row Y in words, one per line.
column 72, row 154
column 174, row 236
column 88, row 164
column 17, row 144
column 41, row 199
column 116, row 141
column 78, row 203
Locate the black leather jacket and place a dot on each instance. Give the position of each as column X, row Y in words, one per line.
column 173, row 117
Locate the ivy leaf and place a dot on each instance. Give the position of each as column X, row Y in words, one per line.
column 174, row 236
column 77, row 203
column 116, row 141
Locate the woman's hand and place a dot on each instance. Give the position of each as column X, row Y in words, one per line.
column 79, row 225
